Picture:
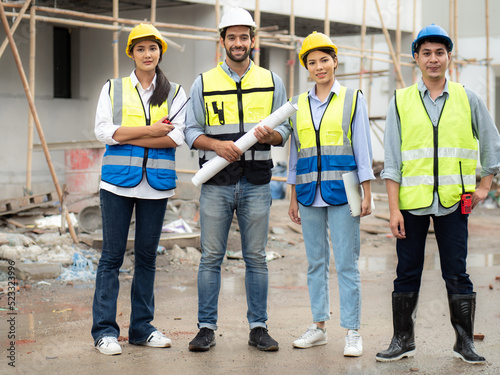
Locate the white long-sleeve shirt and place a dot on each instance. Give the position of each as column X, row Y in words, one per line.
column 105, row 129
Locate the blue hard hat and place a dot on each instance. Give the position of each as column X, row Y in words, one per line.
column 431, row 31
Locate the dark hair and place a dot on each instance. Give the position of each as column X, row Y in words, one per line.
column 162, row 87
column 433, row 39
column 224, row 31
column 328, row 51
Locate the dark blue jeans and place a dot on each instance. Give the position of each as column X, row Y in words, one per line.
column 116, row 216
column 451, row 235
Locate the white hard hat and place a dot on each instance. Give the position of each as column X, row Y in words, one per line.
column 237, row 17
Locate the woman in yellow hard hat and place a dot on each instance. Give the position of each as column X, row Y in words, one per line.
column 331, row 137
column 140, row 119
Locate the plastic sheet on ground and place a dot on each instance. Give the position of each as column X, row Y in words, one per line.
column 177, row 226
column 81, row 269
column 55, row 221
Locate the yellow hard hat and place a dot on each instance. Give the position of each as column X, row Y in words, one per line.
column 144, row 30
column 315, row 40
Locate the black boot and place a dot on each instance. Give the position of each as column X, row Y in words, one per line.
column 404, row 311
column 462, row 312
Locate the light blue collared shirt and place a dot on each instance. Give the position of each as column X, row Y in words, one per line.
column 361, row 141
column 483, row 128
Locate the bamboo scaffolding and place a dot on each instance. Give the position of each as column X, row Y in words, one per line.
column 363, row 37
column 29, row 156
column 292, row 55
column 128, row 21
column 487, row 54
column 116, row 39
column 153, row 12
column 356, row 75
column 33, row 110
column 218, row 52
column 256, row 16
column 15, row 25
column 370, row 81
column 327, row 19
column 374, row 58
column 414, row 71
column 93, row 25
column 265, row 37
column 389, row 44
column 398, row 36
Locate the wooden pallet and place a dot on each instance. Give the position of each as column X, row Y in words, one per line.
column 15, row 205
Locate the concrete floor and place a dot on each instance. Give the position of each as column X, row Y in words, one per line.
column 52, row 325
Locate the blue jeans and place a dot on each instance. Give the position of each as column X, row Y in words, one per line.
column 451, row 236
column 217, row 206
column 116, row 216
column 344, row 233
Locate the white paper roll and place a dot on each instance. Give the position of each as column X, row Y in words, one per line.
column 217, row 164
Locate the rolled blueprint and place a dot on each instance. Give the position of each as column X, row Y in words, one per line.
column 217, row 164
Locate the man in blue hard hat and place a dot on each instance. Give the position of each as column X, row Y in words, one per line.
column 431, row 150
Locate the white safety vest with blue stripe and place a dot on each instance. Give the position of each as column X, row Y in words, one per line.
column 125, row 165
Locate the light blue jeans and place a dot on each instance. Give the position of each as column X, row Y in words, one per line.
column 217, row 206
column 344, row 233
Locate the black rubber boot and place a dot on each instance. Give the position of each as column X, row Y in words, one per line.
column 462, row 312
column 404, row 312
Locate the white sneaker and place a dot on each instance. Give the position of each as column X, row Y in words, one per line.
column 353, row 344
column 109, row 345
column 314, row 336
column 158, row 340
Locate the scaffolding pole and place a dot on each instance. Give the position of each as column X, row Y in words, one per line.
column 31, row 103
column 399, row 75
column 256, row 56
column 19, row 17
column 487, row 54
column 32, row 64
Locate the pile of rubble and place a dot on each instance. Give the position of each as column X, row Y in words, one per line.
column 34, row 242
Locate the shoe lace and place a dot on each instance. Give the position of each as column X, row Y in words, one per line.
column 156, row 335
column 353, row 340
column 203, row 332
column 105, row 341
column 310, row 332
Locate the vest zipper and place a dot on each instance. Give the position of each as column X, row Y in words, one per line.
column 239, row 95
column 318, row 140
column 435, row 133
column 148, row 122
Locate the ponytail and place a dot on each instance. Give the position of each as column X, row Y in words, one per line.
column 161, row 90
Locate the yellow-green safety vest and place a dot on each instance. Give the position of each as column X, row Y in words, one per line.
column 432, row 156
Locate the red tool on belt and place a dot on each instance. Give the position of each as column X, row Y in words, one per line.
column 169, row 121
column 465, row 198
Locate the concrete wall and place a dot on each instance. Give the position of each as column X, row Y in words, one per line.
column 471, row 43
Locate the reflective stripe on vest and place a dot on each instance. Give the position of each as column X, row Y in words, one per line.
column 232, row 109
column 431, row 155
column 123, row 165
column 324, row 155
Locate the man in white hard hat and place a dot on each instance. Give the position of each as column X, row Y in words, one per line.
column 431, row 150
column 226, row 102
